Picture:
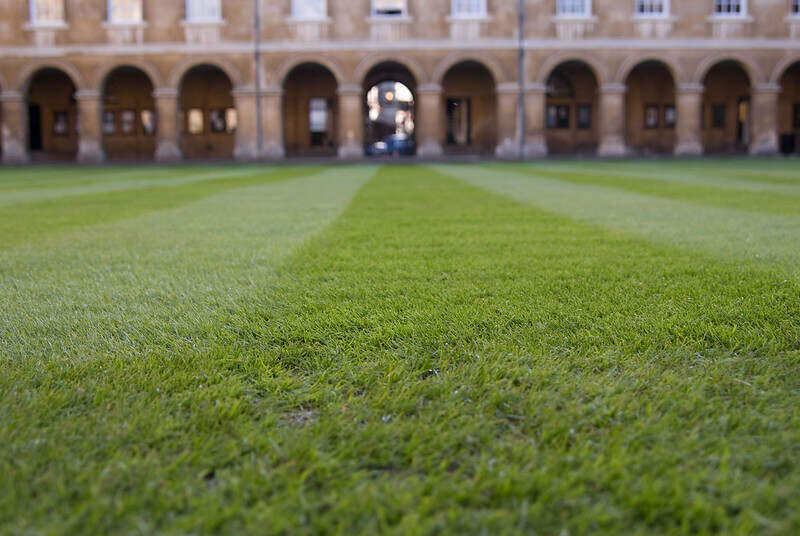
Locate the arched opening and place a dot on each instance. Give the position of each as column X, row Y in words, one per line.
column 470, row 105
column 310, row 111
column 650, row 111
column 389, row 110
column 571, row 109
column 208, row 115
column 129, row 117
column 789, row 110
column 52, row 116
column 726, row 109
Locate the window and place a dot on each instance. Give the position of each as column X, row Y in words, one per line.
column 125, row 11
column 795, row 7
column 574, row 8
column 309, row 9
column 388, row 8
column 669, row 116
column 652, row 8
column 469, row 8
column 148, row 119
column 651, row 116
column 718, row 116
column 584, row 116
column 318, row 121
column 558, row 116
column 203, row 10
column 47, row 12
column 195, row 121
column 730, row 8
column 459, row 121
column 109, row 123
column 60, row 123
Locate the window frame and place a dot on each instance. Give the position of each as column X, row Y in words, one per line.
column 374, row 14
column 482, row 14
column 666, row 12
column 202, row 20
column 110, row 19
column 35, row 22
column 794, row 8
column 730, row 15
column 588, row 10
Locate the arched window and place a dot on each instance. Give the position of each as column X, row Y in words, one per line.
column 47, row 12
column 309, row 9
column 203, row 10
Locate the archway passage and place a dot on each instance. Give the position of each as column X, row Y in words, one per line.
column 208, row 114
column 650, row 109
column 310, row 111
column 470, row 106
column 726, row 109
column 389, row 111
column 571, row 109
column 129, row 118
column 789, row 110
column 52, row 116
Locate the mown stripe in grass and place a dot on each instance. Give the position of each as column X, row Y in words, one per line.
column 31, row 222
column 737, row 236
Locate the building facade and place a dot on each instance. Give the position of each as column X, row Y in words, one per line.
column 165, row 80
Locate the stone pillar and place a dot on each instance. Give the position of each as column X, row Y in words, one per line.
column 688, row 127
column 90, row 135
column 351, row 122
column 246, row 146
column 168, row 143
column 508, row 127
column 764, row 119
column 272, row 123
column 535, row 102
column 430, row 121
column 612, row 120
column 14, row 127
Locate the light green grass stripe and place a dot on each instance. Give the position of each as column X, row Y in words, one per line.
column 695, row 177
column 159, row 277
column 49, row 176
column 106, row 185
column 733, row 234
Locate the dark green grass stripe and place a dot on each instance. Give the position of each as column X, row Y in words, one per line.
column 753, row 201
column 28, row 223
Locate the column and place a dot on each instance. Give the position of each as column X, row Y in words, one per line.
column 688, row 129
column 13, row 127
column 612, row 120
column 429, row 120
column 168, row 145
column 246, row 144
column 351, row 122
column 535, row 102
column 764, row 119
column 90, row 136
column 508, row 127
column 272, row 123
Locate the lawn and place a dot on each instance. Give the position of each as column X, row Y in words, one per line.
column 559, row 347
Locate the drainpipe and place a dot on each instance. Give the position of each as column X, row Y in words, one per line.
column 257, row 59
column 521, row 77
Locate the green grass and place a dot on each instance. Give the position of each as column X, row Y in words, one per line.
column 548, row 348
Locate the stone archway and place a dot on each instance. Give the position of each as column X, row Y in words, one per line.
column 571, row 109
column 208, row 115
column 469, row 96
column 726, row 114
column 128, row 120
column 390, row 95
column 650, row 110
column 310, row 111
column 52, row 115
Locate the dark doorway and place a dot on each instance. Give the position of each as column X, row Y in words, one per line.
column 35, row 127
column 743, row 122
column 459, row 122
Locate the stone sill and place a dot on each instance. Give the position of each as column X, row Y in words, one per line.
column 308, row 20
column 383, row 19
column 655, row 18
column 730, row 18
column 33, row 26
column 470, row 18
column 123, row 25
column 200, row 23
column 575, row 18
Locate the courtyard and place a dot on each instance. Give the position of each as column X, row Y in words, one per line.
column 554, row 347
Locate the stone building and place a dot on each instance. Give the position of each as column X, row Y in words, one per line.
column 164, row 80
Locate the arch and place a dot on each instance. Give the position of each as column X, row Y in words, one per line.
column 597, row 67
column 288, row 66
column 179, row 71
column 650, row 107
column 370, row 62
column 632, row 62
column 106, row 69
column 782, row 66
column 310, row 110
column 27, row 73
column 752, row 70
column 455, row 58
